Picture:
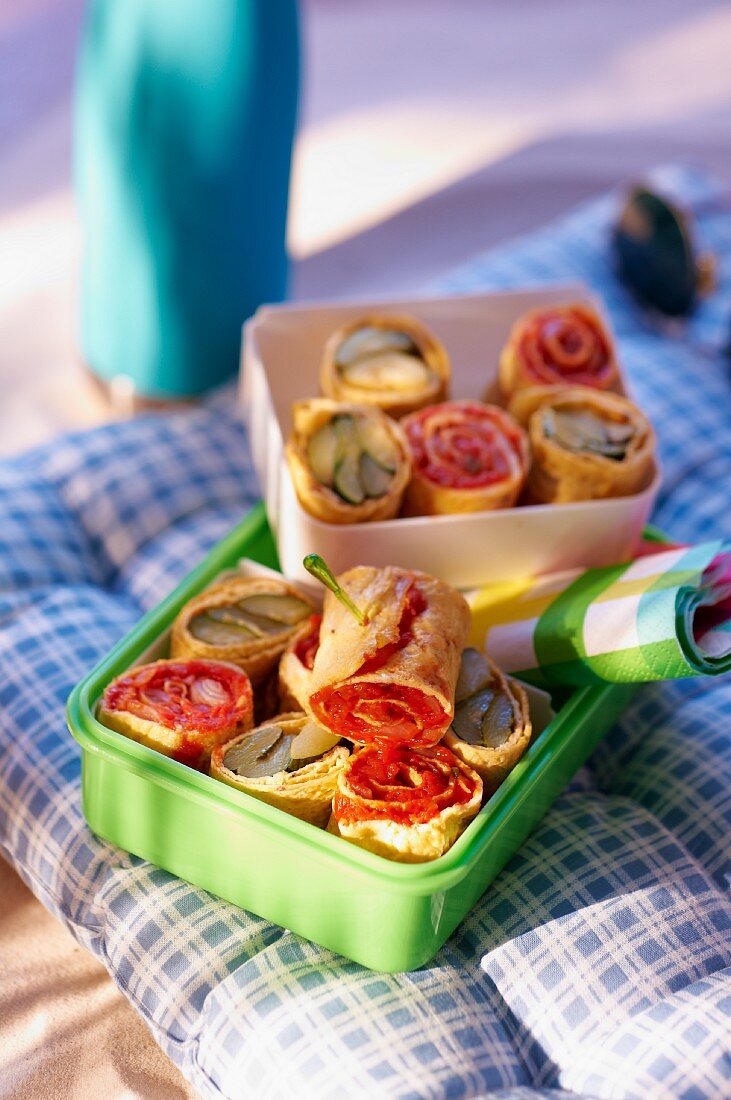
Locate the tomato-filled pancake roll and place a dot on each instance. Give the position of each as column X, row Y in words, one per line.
column 295, row 667
column 558, row 346
column 288, row 762
column 491, row 728
column 183, row 709
column 247, row 621
column 395, row 363
column 588, row 446
column 348, row 463
column 467, row 457
column 406, row 804
column 394, row 677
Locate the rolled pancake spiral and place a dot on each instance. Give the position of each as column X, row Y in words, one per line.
column 258, row 656
column 393, row 678
column 559, row 475
column 557, row 346
column 406, row 804
column 493, row 762
column 396, row 401
column 182, row 709
column 322, row 501
column 467, row 457
column 295, row 667
column 306, row 793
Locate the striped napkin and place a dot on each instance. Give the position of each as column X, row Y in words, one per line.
column 664, row 616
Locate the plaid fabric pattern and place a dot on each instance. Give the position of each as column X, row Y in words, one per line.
column 629, row 623
column 597, row 965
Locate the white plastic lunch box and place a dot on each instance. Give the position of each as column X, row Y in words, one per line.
column 281, row 354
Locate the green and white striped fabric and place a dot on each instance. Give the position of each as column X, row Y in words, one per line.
column 664, row 616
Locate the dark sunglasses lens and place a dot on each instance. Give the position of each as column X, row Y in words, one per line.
column 653, row 255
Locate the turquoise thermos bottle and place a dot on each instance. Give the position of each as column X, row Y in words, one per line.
column 185, row 117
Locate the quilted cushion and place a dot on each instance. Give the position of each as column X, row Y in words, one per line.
column 597, row 963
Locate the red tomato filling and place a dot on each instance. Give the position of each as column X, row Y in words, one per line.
column 398, row 783
column 363, row 712
column 464, row 444
column 306, row 649
column 565, row 345
column 189, row 696
column 366, row 712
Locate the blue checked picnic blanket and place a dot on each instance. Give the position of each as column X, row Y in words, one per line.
column 597, row 965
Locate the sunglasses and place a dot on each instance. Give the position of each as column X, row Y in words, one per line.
column 655, row 256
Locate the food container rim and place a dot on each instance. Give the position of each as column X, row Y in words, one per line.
column 395, row 301
column 416, row 878
column 497, row 514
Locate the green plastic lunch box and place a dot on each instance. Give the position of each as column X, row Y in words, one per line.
column 388, row 916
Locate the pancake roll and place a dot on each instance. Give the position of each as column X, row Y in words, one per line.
column 394, row 363
column 467, row 457
column 182, row 709
column 558, row 346
column 491, row 728
column 295, row 667
column 394, row 677
column 247, row 621
column 586, row 445
column 348, row 463
column 287, row 762
column 406, row 804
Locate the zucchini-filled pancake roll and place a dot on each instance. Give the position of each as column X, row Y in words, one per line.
column 295, row 667
column 288, row 762
column 245, row 620
column 406, row 804
column 348, row 463
column 392, row 362
column 392, row 678
column 491, row 728
column 183, row 709
column 467, row 457
column 588, row 446
column 559, row 346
